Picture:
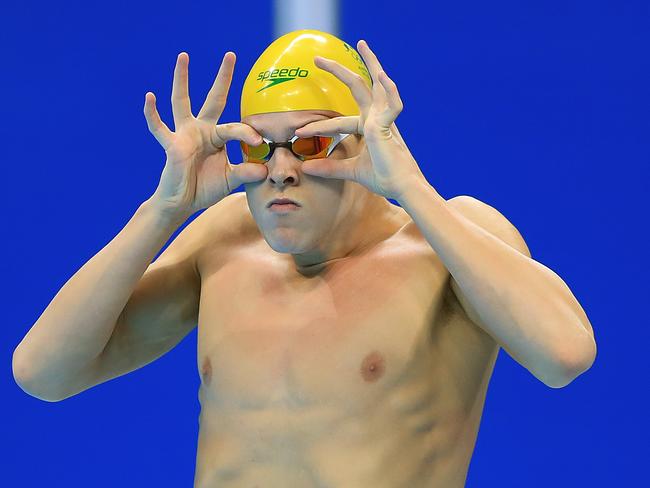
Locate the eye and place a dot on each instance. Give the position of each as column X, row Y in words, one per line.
column 313, row 147
column 256, row 154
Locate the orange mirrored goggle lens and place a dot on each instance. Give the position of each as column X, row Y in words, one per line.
column 304, row 147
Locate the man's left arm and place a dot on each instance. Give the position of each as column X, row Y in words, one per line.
column 525, row 307
column 521, row 303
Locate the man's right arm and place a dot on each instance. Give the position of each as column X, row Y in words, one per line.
column 108, row 318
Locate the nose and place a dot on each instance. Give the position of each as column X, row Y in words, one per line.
column 283, row 167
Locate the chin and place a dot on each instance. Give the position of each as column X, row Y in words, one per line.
column 284, row 249
column 286, row 241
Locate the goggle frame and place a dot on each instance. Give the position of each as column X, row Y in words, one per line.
column 289, row 145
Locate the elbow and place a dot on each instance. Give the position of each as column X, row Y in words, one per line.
column 570, row 363
column 20, row 370
column 24, row 378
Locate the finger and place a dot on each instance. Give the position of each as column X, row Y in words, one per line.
column 339, row 169
column 370, row 59
column 234, row 131
column 245, row 173
column 331, row 127
column 181, row 107
column 155, row 124
column 393, row 131
column 360, row 91
column 396, row 131
column 216, row 100
column 393, row 100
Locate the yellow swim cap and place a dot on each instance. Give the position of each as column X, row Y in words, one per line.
column 285, row 78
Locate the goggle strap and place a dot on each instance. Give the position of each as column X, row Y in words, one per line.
column 337, row 138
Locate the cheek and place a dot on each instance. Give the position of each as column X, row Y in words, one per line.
column 323, row 205
column 253, row 193
column 326, row 203
column 255, row 202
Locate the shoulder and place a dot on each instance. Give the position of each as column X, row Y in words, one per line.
column 490, row 219
column 494, row 222
column 226, row 225
column 227, row 219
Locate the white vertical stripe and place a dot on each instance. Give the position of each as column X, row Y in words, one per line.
column 290, row 15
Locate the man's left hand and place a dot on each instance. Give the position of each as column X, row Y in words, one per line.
column 385, row 165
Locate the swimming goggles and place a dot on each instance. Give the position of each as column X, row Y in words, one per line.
column 304, row 148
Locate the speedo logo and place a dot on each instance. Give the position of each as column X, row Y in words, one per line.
column 277, row 76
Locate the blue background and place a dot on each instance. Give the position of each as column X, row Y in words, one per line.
column 540, row 109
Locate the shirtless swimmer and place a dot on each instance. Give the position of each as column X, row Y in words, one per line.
column 343, row 341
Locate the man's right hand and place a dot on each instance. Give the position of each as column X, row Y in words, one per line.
column 197, row 172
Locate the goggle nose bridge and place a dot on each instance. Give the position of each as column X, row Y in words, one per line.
column 288, row 144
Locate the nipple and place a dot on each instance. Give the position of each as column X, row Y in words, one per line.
column 373, row 367
column 206, row 371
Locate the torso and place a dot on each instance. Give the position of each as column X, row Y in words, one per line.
column 367, row 374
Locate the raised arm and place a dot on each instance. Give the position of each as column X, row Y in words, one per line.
column 120, row 311
column 78, row 323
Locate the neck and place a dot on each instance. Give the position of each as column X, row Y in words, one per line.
column 371, row 220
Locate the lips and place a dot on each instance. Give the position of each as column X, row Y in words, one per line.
column 282, row 201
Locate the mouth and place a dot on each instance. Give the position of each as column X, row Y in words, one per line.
column 281, row 202
column 283, row 206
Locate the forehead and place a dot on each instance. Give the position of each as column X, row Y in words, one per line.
column 280, row 125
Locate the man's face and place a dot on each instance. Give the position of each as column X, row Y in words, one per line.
column 324, row 202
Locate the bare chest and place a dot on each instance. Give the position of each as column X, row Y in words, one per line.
column 340, row 338
column 371, row 360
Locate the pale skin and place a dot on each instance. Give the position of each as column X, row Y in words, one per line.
column 349, row 343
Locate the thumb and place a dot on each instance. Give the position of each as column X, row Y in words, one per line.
column 339, row 169
column 245, row 173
